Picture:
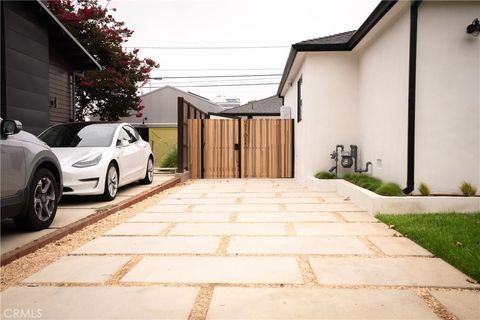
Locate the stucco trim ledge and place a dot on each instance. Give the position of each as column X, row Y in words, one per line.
column 375, row 204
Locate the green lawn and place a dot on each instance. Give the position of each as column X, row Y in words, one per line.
column 453, row 237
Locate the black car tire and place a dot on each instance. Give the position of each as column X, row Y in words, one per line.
column 111, row 183
column 148, row 179
column 42, row 201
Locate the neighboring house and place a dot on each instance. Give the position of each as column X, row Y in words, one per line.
column 404, row 87
column 264, row 108
column 227, row 103
column 158, row 123
column 39, row 60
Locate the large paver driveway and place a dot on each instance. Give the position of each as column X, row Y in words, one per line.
column 249, row 249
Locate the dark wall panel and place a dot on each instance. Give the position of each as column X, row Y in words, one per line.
column 26, row 63
column 20, row 79
column 26, row 58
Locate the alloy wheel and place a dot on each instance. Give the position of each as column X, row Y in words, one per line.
column 112, row 181
column 44, row 199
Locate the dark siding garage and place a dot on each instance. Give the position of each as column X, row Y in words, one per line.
column 26, row 68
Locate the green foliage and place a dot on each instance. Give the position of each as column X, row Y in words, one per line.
column 109, row 93
column 453, row 237
column 468, row 189
column 170, row 159
column 350, row 177
column 363, row 180
column 389, row 189
column 368, row 182
column 325, row 175
column 424, row 189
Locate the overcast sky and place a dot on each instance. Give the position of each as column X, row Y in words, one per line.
column 231, row 23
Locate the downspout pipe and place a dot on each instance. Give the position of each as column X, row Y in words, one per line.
column 412, row 77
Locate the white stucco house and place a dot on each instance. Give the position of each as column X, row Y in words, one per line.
column 404, row 88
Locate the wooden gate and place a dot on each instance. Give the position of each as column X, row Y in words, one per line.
column 248, row 148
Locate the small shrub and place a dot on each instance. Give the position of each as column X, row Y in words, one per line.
column 424, row 189
column 368, row 182
column 389, row 189
column 170, row 159
column 325, row 175
column 350, row 177
column 467, row 189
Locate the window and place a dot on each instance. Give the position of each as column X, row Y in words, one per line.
column 132, row 134
column 81, row 134
column 299, row 100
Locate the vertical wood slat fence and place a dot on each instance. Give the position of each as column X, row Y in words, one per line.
column 250, row 148
column 186, row 111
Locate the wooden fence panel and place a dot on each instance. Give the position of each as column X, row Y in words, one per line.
column 266, row 150
column 220, row 156
column 194, row 150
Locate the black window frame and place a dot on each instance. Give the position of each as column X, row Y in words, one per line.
column 299, row 99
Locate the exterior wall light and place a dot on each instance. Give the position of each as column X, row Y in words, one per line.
column 474, row 28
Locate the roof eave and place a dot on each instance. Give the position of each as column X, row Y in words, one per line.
column 287, row 69
column 57, row 22
column 381, row 10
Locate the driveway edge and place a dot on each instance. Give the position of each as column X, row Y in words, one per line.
column 28, row 248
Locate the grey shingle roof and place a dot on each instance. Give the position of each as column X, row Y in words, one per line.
column 338, row 38
column 268, row 105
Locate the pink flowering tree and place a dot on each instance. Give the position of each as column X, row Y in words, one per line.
column 109, row 93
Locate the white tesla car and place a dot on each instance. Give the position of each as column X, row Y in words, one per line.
column 98, row 157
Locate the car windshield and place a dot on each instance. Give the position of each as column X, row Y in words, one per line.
column 79, row 135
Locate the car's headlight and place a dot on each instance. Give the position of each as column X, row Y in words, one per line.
column 89, row 161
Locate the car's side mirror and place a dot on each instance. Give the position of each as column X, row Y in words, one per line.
column 122, row 143
column 9, row 127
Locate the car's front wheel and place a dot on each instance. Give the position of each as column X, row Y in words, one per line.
column 148, row 179
column 42, row 202
column 111, row 183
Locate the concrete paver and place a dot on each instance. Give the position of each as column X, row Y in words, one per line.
column 399, row 246
column 308, row 303
column 79, row 269
column 282, row 200
column 286, row 217
column 181, row 217
column 343, row 229
column 299, row 195
column 101, row 303
column 200, row 201
column 323, row 207
column 242, row 194
column 406, row 271
column 152, row 245
column 298, row 245
column 236, row 208
column 168, row 208
column 358, row 217
column 465, row 305
column 212, row 229
column 138, row 229
column 265, row 247
column 215, row 270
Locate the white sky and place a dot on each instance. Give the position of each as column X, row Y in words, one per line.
column 207, row 23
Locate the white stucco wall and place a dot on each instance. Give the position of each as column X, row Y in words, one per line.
column 329, row 109
column 448, row 104
column 383, row 100
column 361, row 97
